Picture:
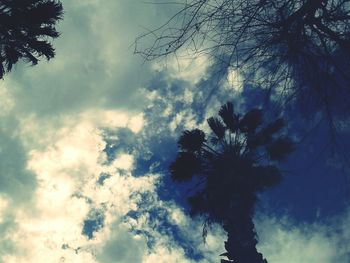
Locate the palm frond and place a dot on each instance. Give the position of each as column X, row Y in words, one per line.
column 217, row 127
column 191, row 140
column 228, row 116
column 251, row 120
column 26, row 26
column 265, row 135
column 29, row 57
column 45, row 12
column 198, row 204
column 42, row 48
column 184, row 167
column 46, row 31
column 12, row 55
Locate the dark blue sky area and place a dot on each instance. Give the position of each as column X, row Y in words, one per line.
column 315, row 185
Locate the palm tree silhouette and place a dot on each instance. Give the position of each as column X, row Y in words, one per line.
column 25, row 26
column 236, row 162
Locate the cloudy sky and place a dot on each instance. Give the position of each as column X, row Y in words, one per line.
column 86, row 139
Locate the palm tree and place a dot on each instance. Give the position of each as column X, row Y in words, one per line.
column 236, row 162
column 25, row 26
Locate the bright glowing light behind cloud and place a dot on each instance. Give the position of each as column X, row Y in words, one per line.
column 234, row 80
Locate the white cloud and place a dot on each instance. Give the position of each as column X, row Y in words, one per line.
column 284, row 240
column 121, row 246
column 52, row 139
column 123, row 161
column 182, row 66
column 94, row 63
column 234, row 80
column 67, row 167
column 7, row 100
column 3, row 207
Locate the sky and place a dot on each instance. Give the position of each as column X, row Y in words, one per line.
column 86, row 139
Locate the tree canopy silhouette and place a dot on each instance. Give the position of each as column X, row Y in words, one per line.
column 299, row 48
column 25, row 27
column 239, row 159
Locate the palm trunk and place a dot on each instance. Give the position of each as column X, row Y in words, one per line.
column 241, row 236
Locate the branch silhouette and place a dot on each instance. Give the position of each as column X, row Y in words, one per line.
column 295, row 48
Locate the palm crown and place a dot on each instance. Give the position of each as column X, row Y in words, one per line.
column 238, row 160
column 25, row 26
